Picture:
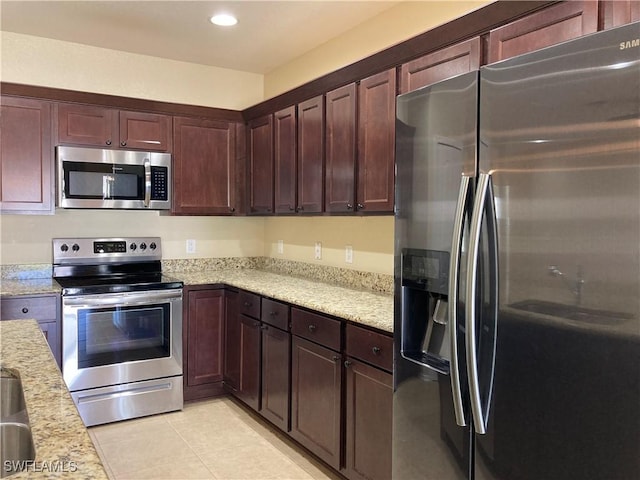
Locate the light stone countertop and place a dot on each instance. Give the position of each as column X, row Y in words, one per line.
column 360, row 306
column 62, row 443
column 33, row 286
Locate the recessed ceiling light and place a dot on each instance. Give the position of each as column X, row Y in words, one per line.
column 224, row 20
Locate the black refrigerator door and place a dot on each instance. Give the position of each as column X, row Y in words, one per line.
column 560, row 140
column 435, row 148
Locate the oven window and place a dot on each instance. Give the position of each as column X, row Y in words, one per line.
column 123, row 334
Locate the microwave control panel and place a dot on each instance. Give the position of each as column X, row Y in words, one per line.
column 159, row 183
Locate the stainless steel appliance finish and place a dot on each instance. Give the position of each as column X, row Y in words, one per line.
column 122, row 179
column 517, row 208
column 121, row 327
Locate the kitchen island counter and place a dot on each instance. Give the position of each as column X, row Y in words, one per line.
column 62, row 444
column 356, row 305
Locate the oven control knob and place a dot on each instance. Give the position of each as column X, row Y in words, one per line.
column 75, row 247
column 152, row 246
column 64, row 247
column 133, row 247
column 143, row 246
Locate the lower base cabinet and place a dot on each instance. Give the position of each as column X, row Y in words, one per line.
column 249, row 382
column 275, row 390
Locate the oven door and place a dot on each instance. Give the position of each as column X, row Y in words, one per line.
column 111, row 339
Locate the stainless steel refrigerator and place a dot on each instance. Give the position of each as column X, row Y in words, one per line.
column 517, row 268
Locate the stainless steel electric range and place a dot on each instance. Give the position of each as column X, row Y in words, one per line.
column 121, row 327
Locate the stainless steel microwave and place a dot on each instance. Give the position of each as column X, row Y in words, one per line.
column 123, row 179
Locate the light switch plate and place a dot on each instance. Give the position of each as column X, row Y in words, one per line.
column 191, row 246
column 280, row 247
column 348, row 254
column 318, row 251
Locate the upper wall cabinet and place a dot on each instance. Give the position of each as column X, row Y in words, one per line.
column 620, row 12
column 376, row 143
column 310, row 186
column 552, row 25
column 261, row 171
column 285, row 151
column 26, row 156
column 436, row 66
column 204, row 173
column 107, row 127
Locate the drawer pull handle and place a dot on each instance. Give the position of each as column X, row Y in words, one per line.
column 312, row 328
column 376, row 350
column 25, row 310
column 347, row 363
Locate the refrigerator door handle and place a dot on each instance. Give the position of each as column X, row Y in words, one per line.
column 472, row 272
column 454, row 284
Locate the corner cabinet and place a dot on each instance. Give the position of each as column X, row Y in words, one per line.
column 261, row 166
column 26, row 156
column 204, row 168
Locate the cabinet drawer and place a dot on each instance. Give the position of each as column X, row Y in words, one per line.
column 38, row 308
column 249, row 304
column 371, row 347
column 317, row 328
column 275, row 314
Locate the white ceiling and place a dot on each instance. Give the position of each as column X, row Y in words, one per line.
column 268, row 34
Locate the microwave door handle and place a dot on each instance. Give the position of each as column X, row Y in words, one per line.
column 147, row 182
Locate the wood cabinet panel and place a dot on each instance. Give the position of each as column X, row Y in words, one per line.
column 436, row 66
column 261, row 170
column 145, row 131
column 249, row 304
column 619, row 12
column 285, row 151
column 86, row 125
column 316, row 386
column 340, row 148
column 376, row 142
column 275, row 314
column 204, row 181
column 275, row 395
column 231, row 370
column 369, row 346
column 26, row 156
column 552, row 25
column 311, row 125
column 368, row 413
column 250, row 355
column 205, row 336
column 316, row 327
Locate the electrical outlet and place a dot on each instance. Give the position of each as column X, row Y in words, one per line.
column 318, row 251
column 280, row 247
column 191, row 246
column 348, row 254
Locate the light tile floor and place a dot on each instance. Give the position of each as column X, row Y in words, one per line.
column 212, row 439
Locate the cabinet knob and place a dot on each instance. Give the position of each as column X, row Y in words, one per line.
column 347, row 363
column 264, row 327
column 301, row 208
column 232, row 209
column 108, row 142
column 256, row 324
column 312, row 328
column 291, row 208
column 273, row 314
column 247, row 304
column 376, row 350
column 336, row 358
column 123, row 144
column 349, row 206
column 360, row 206
column 25, row 310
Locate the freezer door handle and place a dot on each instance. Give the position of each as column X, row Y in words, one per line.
column 481, row 200
column 454, row 284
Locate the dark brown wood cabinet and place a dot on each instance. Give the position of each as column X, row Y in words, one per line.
column 619, row 12
column 107, row 127
column 340, row 149
column 26, row 156
column 275, row 376
column 376, row 143
column 43, row 308
column 204, row 353
column 285, row 152
column 231, row 367
column 310, row 166
column 554, row 24
column 436, row 66
column 260, row 163
column 250, row 356
column 204, row 177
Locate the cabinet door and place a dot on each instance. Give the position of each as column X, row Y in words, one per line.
column 436, row 66
column 376, row 142
column 552, row 25
column 86, row 125
column 284, row 143
column 340, row 144
column 145, row 131
column 249, row 386
column 26, row 156
column 260, row 151
column 231, row 341
column 275, row 404
column 620, row 12
column 205, row 340
column 369, row 395
column 204, row 167
column 315, row 399
column 311, row 155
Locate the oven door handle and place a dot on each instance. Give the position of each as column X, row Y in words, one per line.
column 122, row 299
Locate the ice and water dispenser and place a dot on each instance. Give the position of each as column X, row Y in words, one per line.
column 425, row 328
